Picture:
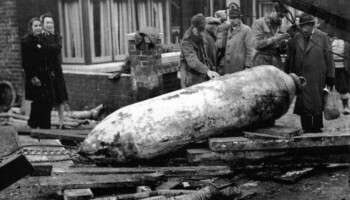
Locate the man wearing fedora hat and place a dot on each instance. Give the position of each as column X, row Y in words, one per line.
column 309, row 56
column 236, row 43
column 269, row 38
column 196, row 66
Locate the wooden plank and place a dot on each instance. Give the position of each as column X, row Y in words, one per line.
column 142, row 195
column 76, row 135
column 45, row 145
column 169, row 184
column 29, row 131
column 184, row 171
column 207, row 156
column 282, row 131
column 12, row 169
column 253, row 135
column 78, row 181
column 42, row 169
column 77, row 194
column 307, row 141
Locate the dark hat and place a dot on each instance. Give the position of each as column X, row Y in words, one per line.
column 234, row 11
column 198, row 21
column 306, row 19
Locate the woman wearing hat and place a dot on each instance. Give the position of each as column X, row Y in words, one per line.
column 309, row 56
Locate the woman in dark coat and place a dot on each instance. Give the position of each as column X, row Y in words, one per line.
column 37, row 87
column 53, row 46
column 309, row 56
column 44, row 80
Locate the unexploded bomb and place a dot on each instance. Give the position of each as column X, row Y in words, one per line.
column 165, row 123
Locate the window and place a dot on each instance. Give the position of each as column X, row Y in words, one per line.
column 105, row 25
column 124, row 22
column 71, row 26
column 100, row 30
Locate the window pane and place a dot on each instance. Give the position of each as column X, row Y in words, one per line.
column 124, row 22
column 101, row 28
column 154, row 13
column 71, row 28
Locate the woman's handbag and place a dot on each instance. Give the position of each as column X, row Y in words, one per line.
column 331, row 109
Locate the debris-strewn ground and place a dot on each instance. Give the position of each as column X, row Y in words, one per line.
column 322, row 186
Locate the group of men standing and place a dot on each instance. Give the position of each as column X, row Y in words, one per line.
column 222, row 45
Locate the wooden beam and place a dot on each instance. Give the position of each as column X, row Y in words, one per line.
column 253, row 135
column 207, row 156
column 143, row 195
column 75, row 135
column 306, row 141
column 184, row 171
column 79, row 181
column 12, row 169
column 280, row 131
column 78, row 194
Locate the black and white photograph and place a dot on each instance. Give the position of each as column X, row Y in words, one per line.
column 174, row 100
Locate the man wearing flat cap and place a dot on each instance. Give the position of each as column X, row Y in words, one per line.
column 269, row 39
column 236, row 42
column 309, row 56
column 210, row 33
column 196, row 66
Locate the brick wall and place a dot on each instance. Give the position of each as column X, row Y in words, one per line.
column 149, row 77
column 86, row 91
column 10, row 50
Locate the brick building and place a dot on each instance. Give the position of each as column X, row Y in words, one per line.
column 95, row 39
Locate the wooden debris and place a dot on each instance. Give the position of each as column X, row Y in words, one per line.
column 185, row 171
column 12, row 169
column 8, row 141
column 75, row 181
column 43, row 148
column 253, row 135
column 306, row 141
column 169, row 184
column 207, row 156
column 205, row 193
column 78, row 194
column 142, row 195
column 156, row 198
column 41, row 169
column 75, row 135
column 280, row 131
column 294, row 176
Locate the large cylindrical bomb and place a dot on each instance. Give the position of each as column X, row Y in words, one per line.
column 165, row 123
